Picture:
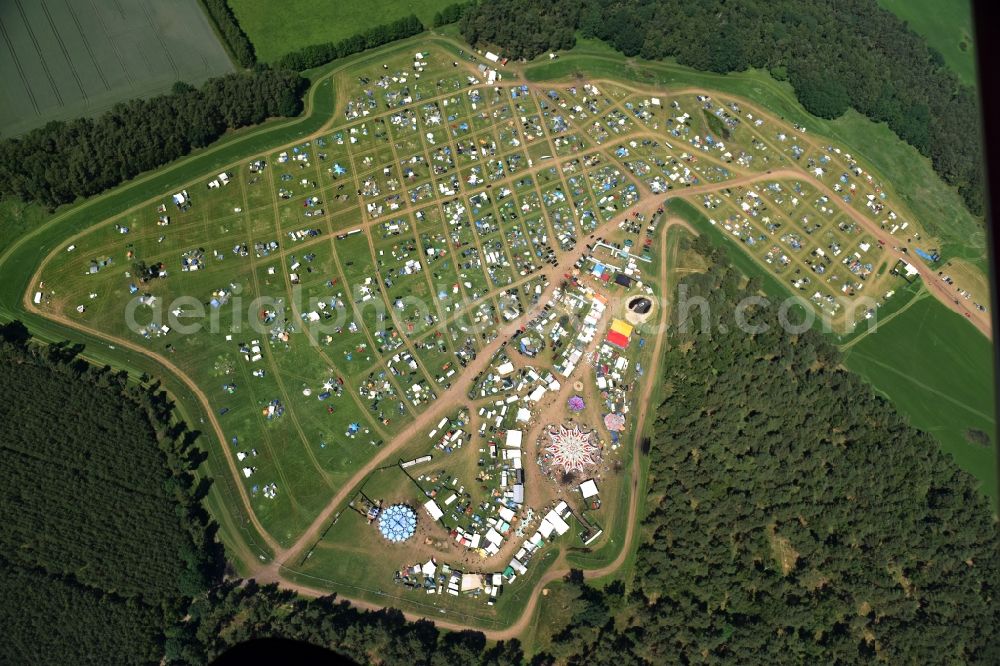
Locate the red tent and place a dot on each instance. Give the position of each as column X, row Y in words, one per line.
column 617, row 339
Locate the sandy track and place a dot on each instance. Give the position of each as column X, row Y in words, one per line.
column 273, row 571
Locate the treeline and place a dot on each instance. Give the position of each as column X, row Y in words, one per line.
column 793, row 515
column 320, row 54
column 239, row 611
column 103, row 538
column 237, row 41
column 835, row 54
column 452, row 13
column 522, row 28
column 62, row 161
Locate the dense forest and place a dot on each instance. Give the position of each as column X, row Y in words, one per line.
column 836, row 55
column 232, row 34
column 320, row 54
column 793, row 515
column 451, row 13
column 61, row 161
column 103, row 539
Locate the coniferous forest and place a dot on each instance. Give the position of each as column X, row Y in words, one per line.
column 791, row 516
column 103, row 539
column 850, row 53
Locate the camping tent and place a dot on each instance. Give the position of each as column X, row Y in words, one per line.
column 623, row 327
column 617, row 339
column 433, row 509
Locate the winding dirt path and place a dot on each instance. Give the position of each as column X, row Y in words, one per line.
column 286, row 558
column 272, row 574
column 195, row 390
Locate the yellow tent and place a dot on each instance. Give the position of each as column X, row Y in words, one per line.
column 623, row 327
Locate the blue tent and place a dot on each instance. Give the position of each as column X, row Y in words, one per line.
column 397, row 523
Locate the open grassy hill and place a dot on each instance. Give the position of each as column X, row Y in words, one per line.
column 277, row 28
column 947, row 26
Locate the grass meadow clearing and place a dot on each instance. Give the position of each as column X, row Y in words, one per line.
column 947, row 27
column 277, row 28
column 938, row 370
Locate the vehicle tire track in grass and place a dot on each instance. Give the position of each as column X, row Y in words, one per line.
column 159, row 40
column 113, row 42
column 20, row 70
column 63, row 50
column 86, row 43
column 297, row 316
column 270, row 354
column 38, row 50
column 923, row 293
column 926, row 387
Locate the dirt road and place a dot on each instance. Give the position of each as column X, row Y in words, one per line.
column 272, row 573
column 285, row 559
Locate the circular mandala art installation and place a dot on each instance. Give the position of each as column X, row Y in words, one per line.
column 397, row 523
column 572, row 449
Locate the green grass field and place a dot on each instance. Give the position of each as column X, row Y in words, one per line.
column 277, row 28
column 937, row 205
column 938, row 370
column 250, row 208
column 62, row 60
column 947, row 26
column 934, row 366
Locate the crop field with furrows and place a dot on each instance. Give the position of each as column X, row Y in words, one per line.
column 61, row 59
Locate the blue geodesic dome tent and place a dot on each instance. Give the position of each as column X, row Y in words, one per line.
column 397, row 523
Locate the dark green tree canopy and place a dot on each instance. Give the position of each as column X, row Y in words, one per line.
column 793, row 515
column 62, row 161
column 837, row 55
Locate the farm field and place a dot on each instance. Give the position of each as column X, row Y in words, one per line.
column 277, row 28
column 410, row 272
column 902, row 356
column 930, row 363
column 947, row 26
column 61, row 61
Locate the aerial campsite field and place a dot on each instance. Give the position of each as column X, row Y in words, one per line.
column 424, row 335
